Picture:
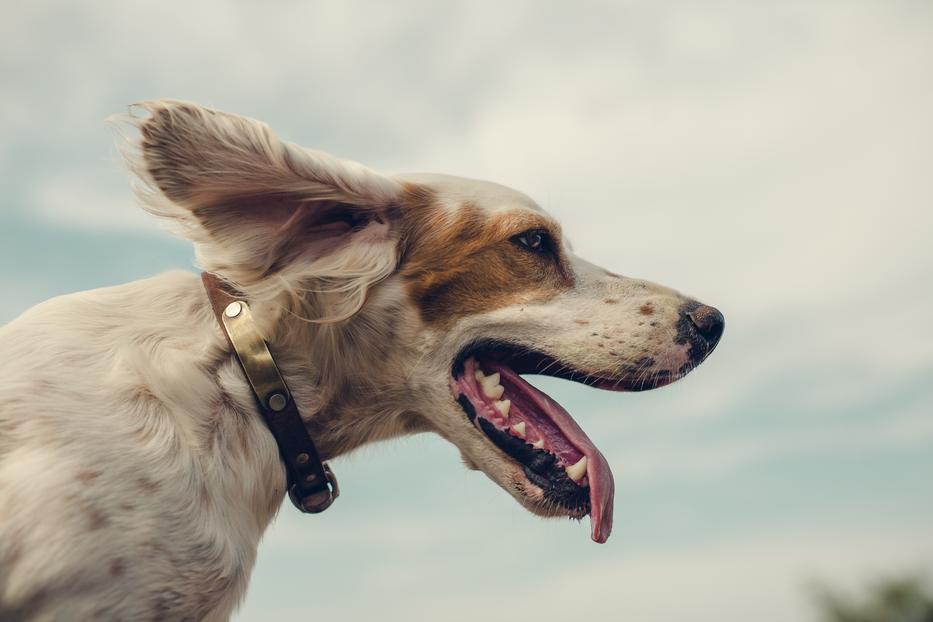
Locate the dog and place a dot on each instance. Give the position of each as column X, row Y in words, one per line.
column 137, row 474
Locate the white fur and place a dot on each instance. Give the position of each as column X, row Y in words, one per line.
column 136, row 476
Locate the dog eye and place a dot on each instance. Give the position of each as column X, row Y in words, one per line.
column 536, row 241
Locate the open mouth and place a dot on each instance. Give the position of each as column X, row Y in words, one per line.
column 555, row 454
column 564, row 472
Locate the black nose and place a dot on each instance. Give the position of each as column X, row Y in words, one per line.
column 708, row 322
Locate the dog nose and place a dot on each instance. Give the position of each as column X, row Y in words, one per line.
column 708, row 322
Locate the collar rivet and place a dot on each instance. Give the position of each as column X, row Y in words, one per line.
column 233, row 309
column 277, row 402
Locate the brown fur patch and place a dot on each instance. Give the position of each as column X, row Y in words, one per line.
column 117, row 567
column 86, row 477
column 95, row 517
column 147, row 485
column 646, row 309
column 243, row 437
column 12, row 555
column 462, row 262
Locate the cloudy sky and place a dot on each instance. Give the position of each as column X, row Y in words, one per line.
column 774, row 159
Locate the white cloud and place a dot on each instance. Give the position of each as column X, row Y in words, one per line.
column 760, row 579
column 777, row 152
column 763, row 576
column 74, row 203
column 685, row 459
column 771, row 176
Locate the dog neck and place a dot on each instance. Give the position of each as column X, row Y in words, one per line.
column 333, row 369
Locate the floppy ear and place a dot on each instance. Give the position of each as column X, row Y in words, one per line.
column 264, row 214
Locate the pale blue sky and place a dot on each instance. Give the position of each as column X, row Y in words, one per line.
column 771, row 158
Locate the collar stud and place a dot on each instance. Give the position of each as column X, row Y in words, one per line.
column 233, row 309
column 277, row 402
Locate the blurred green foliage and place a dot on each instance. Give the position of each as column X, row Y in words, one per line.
column 903, row 599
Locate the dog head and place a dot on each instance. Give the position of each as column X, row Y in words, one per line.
column 426, row 298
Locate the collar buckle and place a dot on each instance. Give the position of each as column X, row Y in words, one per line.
column 317, row 499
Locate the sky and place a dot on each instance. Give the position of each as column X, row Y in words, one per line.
column 774, row 159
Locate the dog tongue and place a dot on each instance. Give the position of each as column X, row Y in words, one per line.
column 597, row 470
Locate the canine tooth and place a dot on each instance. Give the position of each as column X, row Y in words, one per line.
column 503, row 407
column 538, row 444
column 479, row 374
column 519, row 429
column 578, row 470
column 491, row 386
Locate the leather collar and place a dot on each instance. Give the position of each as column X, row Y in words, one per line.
column 312, row 486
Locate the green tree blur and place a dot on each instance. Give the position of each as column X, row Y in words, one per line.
column 903, row 599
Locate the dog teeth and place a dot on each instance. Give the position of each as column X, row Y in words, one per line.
column 578, row 470
column 503, row 407
column 491, row 386
column 538, row 444
column 519, row 429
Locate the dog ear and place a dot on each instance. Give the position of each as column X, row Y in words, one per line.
column 259, row 209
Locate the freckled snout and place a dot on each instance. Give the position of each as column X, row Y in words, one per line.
column 701, row 326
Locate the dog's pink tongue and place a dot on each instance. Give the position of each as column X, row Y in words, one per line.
column 602, row 488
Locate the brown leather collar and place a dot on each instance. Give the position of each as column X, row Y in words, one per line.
column 312, row 486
